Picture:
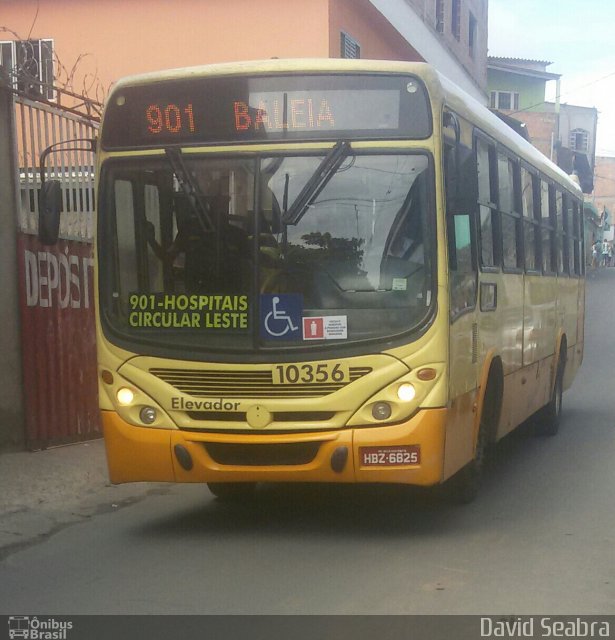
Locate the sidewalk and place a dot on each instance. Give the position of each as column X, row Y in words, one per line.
column 43, row 491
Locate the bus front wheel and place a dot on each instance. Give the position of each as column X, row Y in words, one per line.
column 548, row 418
column 464, row 486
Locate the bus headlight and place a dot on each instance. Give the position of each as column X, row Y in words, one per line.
column 148, row 415
column 125, row 396
column 406, row 392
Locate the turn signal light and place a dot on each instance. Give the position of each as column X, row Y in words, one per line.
column 426, row 374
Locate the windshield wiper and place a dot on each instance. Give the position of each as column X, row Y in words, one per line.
column 319, row 180
column 190, row 188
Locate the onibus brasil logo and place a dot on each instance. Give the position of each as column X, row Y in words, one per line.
column 35, row 628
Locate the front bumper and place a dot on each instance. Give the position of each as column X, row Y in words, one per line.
column 136, row 454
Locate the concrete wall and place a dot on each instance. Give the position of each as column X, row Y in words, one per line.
column 12, row 418
column 435, row 48
column 475, row 65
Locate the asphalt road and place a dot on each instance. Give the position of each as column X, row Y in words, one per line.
column 540, row 539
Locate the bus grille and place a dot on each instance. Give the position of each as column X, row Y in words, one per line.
column 261, row 455
column 246, row 384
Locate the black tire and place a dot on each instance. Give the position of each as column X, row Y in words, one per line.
column 232, row 491
column 547, row 420
column 464, row 486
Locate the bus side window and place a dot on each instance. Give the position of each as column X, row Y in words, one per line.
column 558, row 222
column 547, row 229
column 530, row 194
column 569, row 234
column 509, row 191
column 577, row 240
column 487, row 189
column 461, row 242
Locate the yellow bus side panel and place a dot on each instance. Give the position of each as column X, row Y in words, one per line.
column 525, row 391
column 460, row 433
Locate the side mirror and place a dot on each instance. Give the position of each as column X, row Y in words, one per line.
column 49, row 210
column 50, row 195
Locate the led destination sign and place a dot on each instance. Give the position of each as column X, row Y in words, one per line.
column 302, row 111
column 231, row 110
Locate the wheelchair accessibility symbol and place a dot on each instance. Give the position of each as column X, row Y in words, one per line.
column 280, row 316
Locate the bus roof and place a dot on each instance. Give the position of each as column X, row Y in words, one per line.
column 277, row 65
column 466, row 106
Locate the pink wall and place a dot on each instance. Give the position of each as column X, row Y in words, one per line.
column 378, row 39
column 122, row 37
column 108, row 39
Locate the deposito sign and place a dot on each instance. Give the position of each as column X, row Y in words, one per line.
column 58, row 280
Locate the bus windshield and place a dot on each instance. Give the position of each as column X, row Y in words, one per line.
column 255, row 253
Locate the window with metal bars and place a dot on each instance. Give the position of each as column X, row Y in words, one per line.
column 579, row 140
column 507, row 100
column 472, row 32
column 440, row 16
column 350, row 48
column 456, row 18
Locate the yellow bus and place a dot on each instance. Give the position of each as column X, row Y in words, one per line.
column 326, row 271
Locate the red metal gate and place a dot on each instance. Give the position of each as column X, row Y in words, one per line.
column 55, row 283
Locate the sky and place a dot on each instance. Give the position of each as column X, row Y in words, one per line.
column 578, row 37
